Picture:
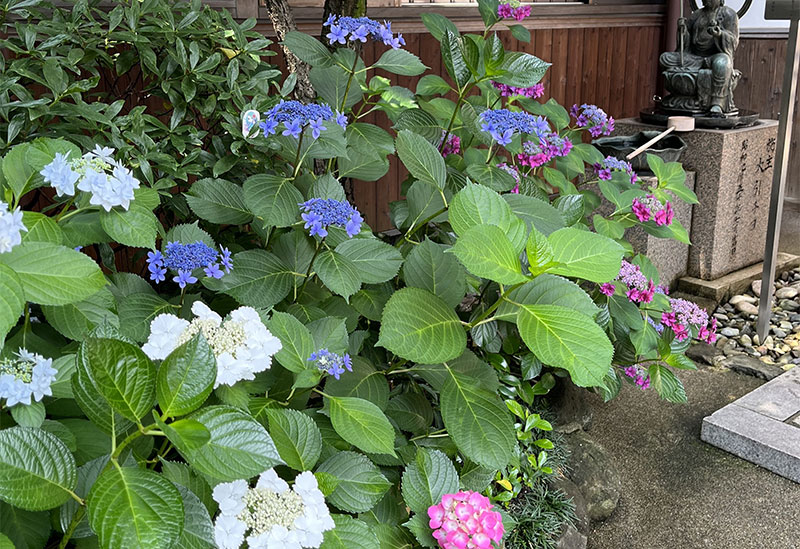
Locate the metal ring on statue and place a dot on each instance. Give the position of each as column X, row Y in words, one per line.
column 739, row 14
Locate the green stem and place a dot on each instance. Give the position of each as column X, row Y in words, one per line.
column 415, row 228
column 27, row 325
column 308, row 271
column 495, row 305
column 73, row 524
column 349, row 82
column 434, row 434
column 64, row 217
column 297, row 158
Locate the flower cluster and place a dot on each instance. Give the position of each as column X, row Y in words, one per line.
column 295, row 117
column 550, row 146
column 639, row 376
column 513, row 9
column 513, row 172
column 321, row 213
column 534, row 92
column 183, row 259
column 241, row 344
column 610, row 164
column 11, row 227
column 608, row 289
column 331, row 363
column 502, row 124
column 686, row 314
column 275, row 516
column 343, row 28
column 28, row 375
column 592, row 118
column 96, row 172
column 465, row 520
column 648, row 206
column 640, row 288
column 452, row 146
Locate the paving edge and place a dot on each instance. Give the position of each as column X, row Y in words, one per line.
column 755, row 437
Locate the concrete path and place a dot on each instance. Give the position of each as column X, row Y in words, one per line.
column 680, row 493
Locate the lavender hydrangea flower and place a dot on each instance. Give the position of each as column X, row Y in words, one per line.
column 331, row 363
column 321, row 213
column 343, row 28
column 610, row 164
column 184, row 259
column 11, row 227
column 592, row 118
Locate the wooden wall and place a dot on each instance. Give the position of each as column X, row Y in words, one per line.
column 761, row 59
column 611, row 62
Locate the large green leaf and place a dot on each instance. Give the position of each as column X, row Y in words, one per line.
column 522, row 69
column 308, row 48
column 123, row 374
column 363, row 382
column 259, row 280
column 410, row 411
column 132, row 507
column 296, row 341
column 362, row 424
column 547, row 289
column 492, row 177
column 585, row 254
column 350, row 533
column 273, row 199
column 430, row 268
column 338, row 273
column 76, row 320
column 400, row 62
column 93, row 404
column 420, row 327
column 331, row 83
column 41, row 228
column 239, row 447
column 567, row 339
column 218, row 201
column 135, row 227
column 87, row 475
column 137, row 311
column 54, row 275
column 198, row 530
column 361, row 484
column 186, row 377
column 37, row 471
column 12, row 299
column 365, row 164
column 376, row 261
column 453, row 57
column 426, row 479
column 486, row 251
column 478, row 422
column 534, row 212
column 296, row 437
column 419, row 121
column 421, row 158
column 478, row 205
column 25, row 529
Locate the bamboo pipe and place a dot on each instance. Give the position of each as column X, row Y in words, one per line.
column 675, row 123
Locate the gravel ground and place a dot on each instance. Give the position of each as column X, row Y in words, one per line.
column 677, row 491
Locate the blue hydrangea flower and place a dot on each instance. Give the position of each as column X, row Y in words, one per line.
column 321, row 213
column 296, row 116
column 332, row 363
column 360, row 28
column 184, row 259
column 503, row 124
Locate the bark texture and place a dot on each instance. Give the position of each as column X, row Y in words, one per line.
column 280, row 13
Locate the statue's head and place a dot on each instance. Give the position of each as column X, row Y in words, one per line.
column 712, row 4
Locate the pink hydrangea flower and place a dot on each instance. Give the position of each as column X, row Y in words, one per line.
column 641, row 210
column 453, row 145
column 607, row 289
column 465, row 520
column 664, row 216
column 639, row 376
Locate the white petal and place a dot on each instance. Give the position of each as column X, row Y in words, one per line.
column 270, row 480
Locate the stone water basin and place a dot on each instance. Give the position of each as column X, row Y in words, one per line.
column 669, row 149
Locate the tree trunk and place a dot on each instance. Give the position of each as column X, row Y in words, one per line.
column 280, row 13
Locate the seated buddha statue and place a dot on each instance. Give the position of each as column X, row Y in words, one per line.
column 701, row 78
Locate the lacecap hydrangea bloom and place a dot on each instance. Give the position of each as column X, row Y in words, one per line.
column 321, row 213
column 503, row 124
column 331, row 363
column 465, row 520
column 241, row 343
column 684, row 315
column 96, row 172
column 27, row 375
column 649, row 206
column 295, row 117
column 592, row 118
column 357, row 29
column 452, row 146
column 550, row 146
column 184, row 259
column 640, row 288
column 11, row 227
column 610, row 164
column 271, row 515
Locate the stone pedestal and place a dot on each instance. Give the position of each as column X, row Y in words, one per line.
column 733, row 179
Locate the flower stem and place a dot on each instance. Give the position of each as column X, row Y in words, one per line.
column 73, row 524
column 349, row 81
column 308, row 271
column 65, row 208
column 297, row 158
column 494, row 305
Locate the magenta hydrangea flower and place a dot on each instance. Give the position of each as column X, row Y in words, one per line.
column 607, row 289
column 639, row 376
column 641, row 210
column 465, row 520
column 514, row 10
column 533, row 92
column 686, row 314
column 640, row 288
column 649, row 206
column 593, row 119
column 550, row 146
column 452, row 146
column 610, row 165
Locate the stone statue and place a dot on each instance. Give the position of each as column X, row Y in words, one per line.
column 700, row 75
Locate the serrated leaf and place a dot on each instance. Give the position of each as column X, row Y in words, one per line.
column 259, row 279
column 547, row 289
column 25, row 529
column 273, row 199
column 535, row 213
column 37, row 470
column 136, row 312
column 363, row 382
column 421, row 158
column 361, row 484
column 420, row 327
column 492, row 177
column 131, row 506
column 400, row 62
column 478, row 205
column 586, row 255
column 349, row 533
column 667, row 384
column 41, row 228
column 308, row 49
column 12, row 300
column 296, row 437
column 362, row 424
column 296, row 341
column 338, row 273
column 218, row 201
column 136, row 227
column 429, row 477
column 420, row 122
column 28, row 415
column 486, row 251
column 375, row 261
column 411, row 411
column 186, row 377
column 429, row 268
column 198, row 530
column 76, row 320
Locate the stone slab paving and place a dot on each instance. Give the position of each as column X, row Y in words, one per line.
column 762, row 427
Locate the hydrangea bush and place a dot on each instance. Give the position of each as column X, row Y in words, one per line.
column 261, row 368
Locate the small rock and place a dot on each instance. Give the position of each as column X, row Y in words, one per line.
column 571, row 539
column 735, row 300
column 767, row 360
column 785, row 326
column 756, row 340
column 702, row 352
column 747, row 308
column 786, row 293
column 722, row 317
column 721, row 341
column 745, row 340
column 729, row 332
column 592, row 469
column 789, row 305
column 744, row 364
column 780, row 334
column 768, row 341
column 756, row 287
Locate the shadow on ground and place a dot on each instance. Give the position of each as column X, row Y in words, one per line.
column 677, row 491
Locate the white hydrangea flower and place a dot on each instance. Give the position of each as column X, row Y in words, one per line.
column 60, row 175
column 241, row 344
column 275, row 516
column 11, row 227
column 29, row 376
column 104, row 154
